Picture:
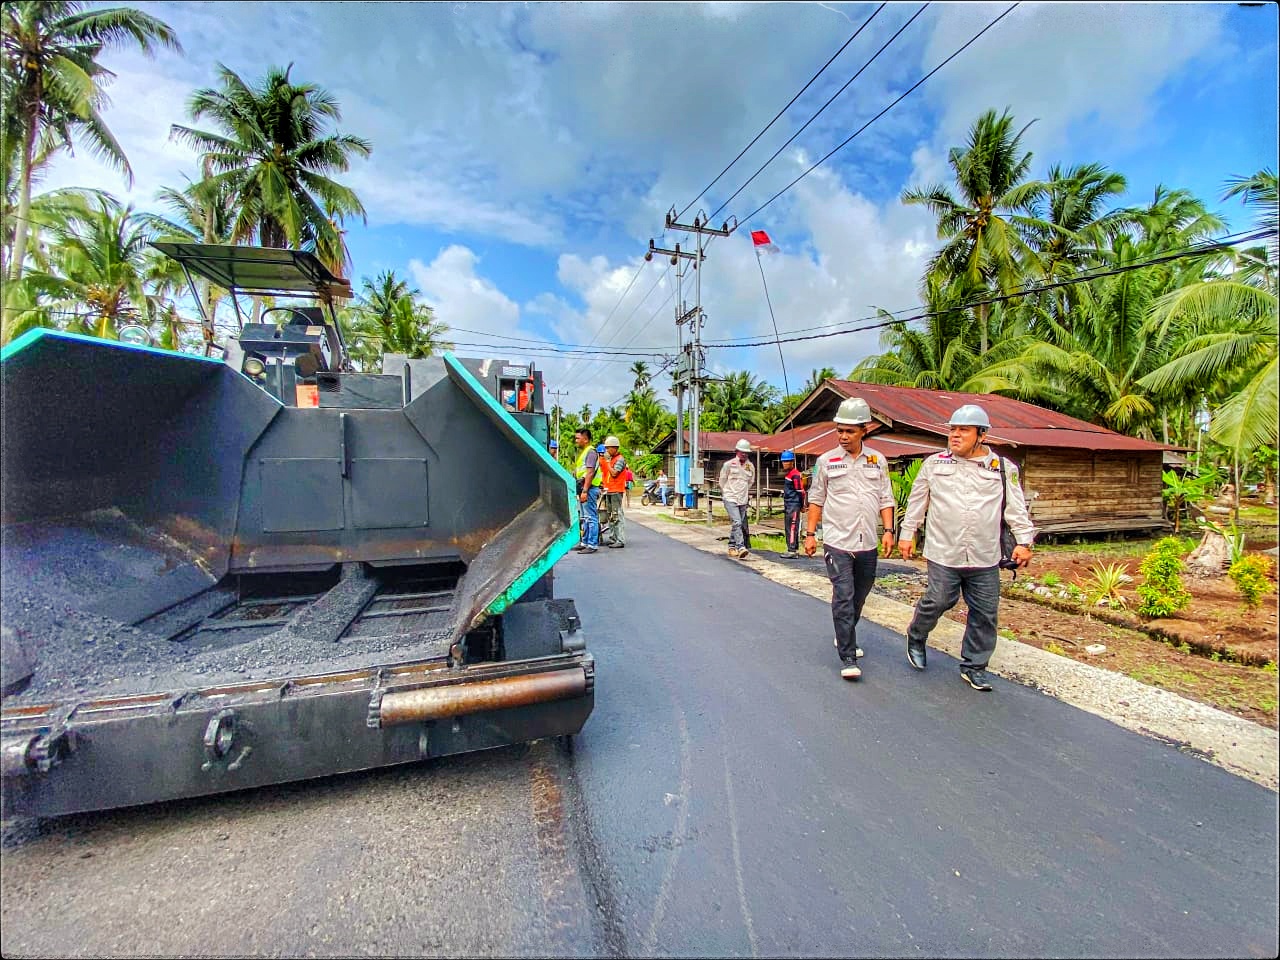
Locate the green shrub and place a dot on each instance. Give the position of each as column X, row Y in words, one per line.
column 1051, row 579
column 1250, row 573
column 1161, row 591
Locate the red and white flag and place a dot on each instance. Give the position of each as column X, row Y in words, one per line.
column 762, row 242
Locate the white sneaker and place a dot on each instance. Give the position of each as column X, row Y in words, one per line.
column 857, row 651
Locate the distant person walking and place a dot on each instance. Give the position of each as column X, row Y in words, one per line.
column 851, row 486
column 664, row 486
column 615, row 470
column 792, row 502
column 964, row 492
column 737, row 477
column 587, row 471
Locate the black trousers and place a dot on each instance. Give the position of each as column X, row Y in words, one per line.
column 792, row 516
column 852, row 576
column 980, row 587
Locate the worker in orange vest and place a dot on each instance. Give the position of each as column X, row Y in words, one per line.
column 614, row 465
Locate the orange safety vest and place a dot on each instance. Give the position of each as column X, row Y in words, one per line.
column 611, row 483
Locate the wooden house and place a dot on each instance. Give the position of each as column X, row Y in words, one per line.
column 1078, row 477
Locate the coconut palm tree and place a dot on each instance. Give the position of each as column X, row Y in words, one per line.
column 1100, row 358
column 738, row 402
column 202, row 212
column 640, row 370
column 818, row 377
column 52, row 87
column 1072, row 229
column 983, row 223
column 1227, row 331
column 272, row 150
column 97, row 264
column 378, row 325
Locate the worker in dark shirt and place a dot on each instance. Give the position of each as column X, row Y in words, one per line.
column 792, row 502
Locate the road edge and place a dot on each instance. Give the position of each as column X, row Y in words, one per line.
column 1239, row 746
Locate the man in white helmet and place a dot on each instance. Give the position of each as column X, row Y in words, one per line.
column 613, row 466
column 965, row 492
column 852, row 497
column 737, row 479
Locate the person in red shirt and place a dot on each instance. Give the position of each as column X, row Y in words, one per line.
column 792, row 503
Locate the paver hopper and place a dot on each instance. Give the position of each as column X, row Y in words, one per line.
column 223, row 573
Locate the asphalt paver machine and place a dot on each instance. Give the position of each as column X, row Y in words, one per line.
column 221, row 573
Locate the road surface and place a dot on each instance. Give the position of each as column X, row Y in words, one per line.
column 730, row 796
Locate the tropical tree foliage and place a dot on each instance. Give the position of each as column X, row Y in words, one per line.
column 271, row 148
column 389, row 318
column 51, row 89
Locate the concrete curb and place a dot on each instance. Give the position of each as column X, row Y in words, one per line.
column 1238, row 746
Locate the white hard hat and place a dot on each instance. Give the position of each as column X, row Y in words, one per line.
column 970, row 415
column 611, row 442
column 744, row 445
column 853, row 411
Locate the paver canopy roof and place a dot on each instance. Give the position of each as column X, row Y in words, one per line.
column 257, row 270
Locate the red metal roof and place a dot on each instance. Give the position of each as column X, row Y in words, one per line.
column 1012, row 421
column 815, row 439
column 717, row 442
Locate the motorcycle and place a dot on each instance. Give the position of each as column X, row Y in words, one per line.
column 651, row 494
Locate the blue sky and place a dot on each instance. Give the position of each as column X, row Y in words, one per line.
column 524, row 154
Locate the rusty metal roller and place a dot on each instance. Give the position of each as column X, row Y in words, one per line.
column 458, row 699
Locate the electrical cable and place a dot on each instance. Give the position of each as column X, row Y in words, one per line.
column 874, row 14
column 1200, row 247
column 624, row 323
column 593, row 377
column 792, row 138
column 639, row 270
column 999, row 298
column 909, row 91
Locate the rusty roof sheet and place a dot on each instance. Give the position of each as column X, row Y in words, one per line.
column 1012, row 421
column 815, row 439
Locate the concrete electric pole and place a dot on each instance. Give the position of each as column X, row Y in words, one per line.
column 689, row 366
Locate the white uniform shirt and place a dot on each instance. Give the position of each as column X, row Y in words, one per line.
column 851, row 491
column 962, row 499
column 737, row 478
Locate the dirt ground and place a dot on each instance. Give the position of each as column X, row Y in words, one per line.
column 1195, row 659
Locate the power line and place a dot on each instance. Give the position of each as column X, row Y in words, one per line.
column 1201, row 247
column 537, row 341
column 671, row 294
column 578, row 380
column 624, row 323
column 619, row 303
column 874, row 14
column 792, row 138
column 911, row 89
column 1001, row 298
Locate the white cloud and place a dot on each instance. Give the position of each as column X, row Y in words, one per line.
column 575, row 128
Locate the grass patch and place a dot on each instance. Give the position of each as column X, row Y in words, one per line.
column 1164, row 675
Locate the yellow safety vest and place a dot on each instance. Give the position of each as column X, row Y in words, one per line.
column 581, row 471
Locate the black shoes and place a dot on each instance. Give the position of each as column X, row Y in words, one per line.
column 975, row 678
column 915, row 655
column 850, row 670
column 616, row 546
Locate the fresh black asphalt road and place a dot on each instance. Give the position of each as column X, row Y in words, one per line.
column 730, row 796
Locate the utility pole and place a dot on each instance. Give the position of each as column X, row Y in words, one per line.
column 555, row 419
column 696, row 319
column 683, row 371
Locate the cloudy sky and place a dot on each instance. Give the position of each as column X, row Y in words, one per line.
column 525, row 154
